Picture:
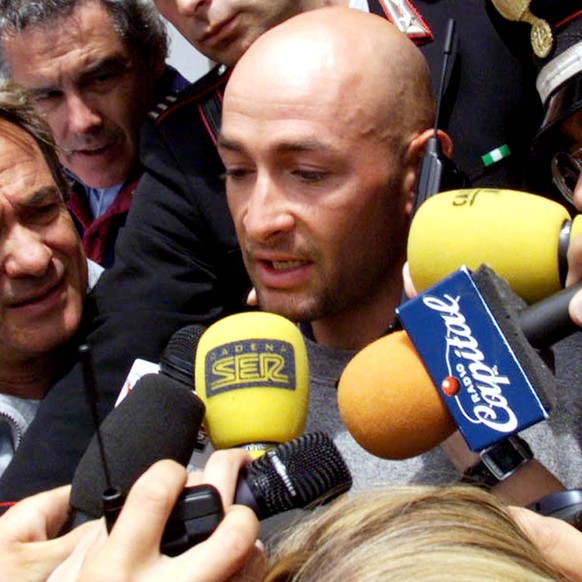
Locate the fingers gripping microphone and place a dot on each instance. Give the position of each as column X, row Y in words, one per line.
column 300, row 474
column 522, row 237
column 251, row 372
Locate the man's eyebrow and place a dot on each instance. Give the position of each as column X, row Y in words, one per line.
column 227, row 144
column 303, row 146
column 116, row 61
column 42, row 195
column 283, row 147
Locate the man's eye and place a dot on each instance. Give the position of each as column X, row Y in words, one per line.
column 43, row 214
column 236, row 173
column 47, row 96
column 103, row 77
column 311, row 175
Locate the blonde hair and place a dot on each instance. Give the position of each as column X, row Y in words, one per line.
column 425, row 534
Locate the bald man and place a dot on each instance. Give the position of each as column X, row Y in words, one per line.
column 325, row 119
column 321, row 163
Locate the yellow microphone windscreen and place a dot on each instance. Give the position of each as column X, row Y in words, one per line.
column 252, row 374
column 514, row 233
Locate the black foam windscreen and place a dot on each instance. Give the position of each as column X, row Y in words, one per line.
column 159, row 419
column 305, row 471
column 506, row 308
column 178, row 358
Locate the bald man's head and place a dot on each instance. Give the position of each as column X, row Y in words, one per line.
column 324, row 123
column 342, row 56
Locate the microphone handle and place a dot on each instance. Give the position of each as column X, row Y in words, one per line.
column 546, row 322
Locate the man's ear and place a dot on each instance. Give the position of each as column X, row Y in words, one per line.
column 411, row 165
column 159, row 66
column 418, row 144
column 446, row 142
column 414, row 155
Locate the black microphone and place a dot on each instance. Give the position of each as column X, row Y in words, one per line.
column 294, row 475
column 299, row 474
column 178, row 358
column 177, row 362
column 159, row 419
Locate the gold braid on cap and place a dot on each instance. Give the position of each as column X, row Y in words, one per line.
column 541, row 36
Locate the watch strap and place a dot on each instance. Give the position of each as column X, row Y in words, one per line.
column 498, row 462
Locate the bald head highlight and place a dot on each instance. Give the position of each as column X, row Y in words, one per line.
column 339, row 57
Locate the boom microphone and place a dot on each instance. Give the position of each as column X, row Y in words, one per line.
column 522, row 237
column 491, row 380
column 251, row 372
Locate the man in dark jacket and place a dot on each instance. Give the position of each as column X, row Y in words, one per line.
column 94, row 69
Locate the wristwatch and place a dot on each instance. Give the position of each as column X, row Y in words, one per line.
column 498, row 462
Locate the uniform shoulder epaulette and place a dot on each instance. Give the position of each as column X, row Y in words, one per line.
column 405, row 16
column 202, row 89
column 162, row 106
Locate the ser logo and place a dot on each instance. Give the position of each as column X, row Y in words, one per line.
column 250, row 364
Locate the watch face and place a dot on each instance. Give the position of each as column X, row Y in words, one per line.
column 506, row 457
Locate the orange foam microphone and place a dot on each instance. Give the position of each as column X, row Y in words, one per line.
column 389, row 403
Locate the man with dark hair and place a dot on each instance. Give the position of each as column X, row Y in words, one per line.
column 94, row 68
column 43, row 270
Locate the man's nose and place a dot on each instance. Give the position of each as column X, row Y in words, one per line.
column 24, row 253
column 268, row 210
column 190, row 7
column 83, row 117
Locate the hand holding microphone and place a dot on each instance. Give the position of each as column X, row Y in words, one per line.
column 132, row 548
column 29, row 547
column 402, row 414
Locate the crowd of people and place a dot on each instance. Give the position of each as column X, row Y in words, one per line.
column 284, row 180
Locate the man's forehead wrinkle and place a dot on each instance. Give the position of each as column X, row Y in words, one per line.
column 23, row 181
column 270, row 100
column 60, row 41
column 17, row 137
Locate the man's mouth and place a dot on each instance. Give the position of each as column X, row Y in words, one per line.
column 37, row 296
column 287, row 265
column 94, row 151
column 216, row 32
